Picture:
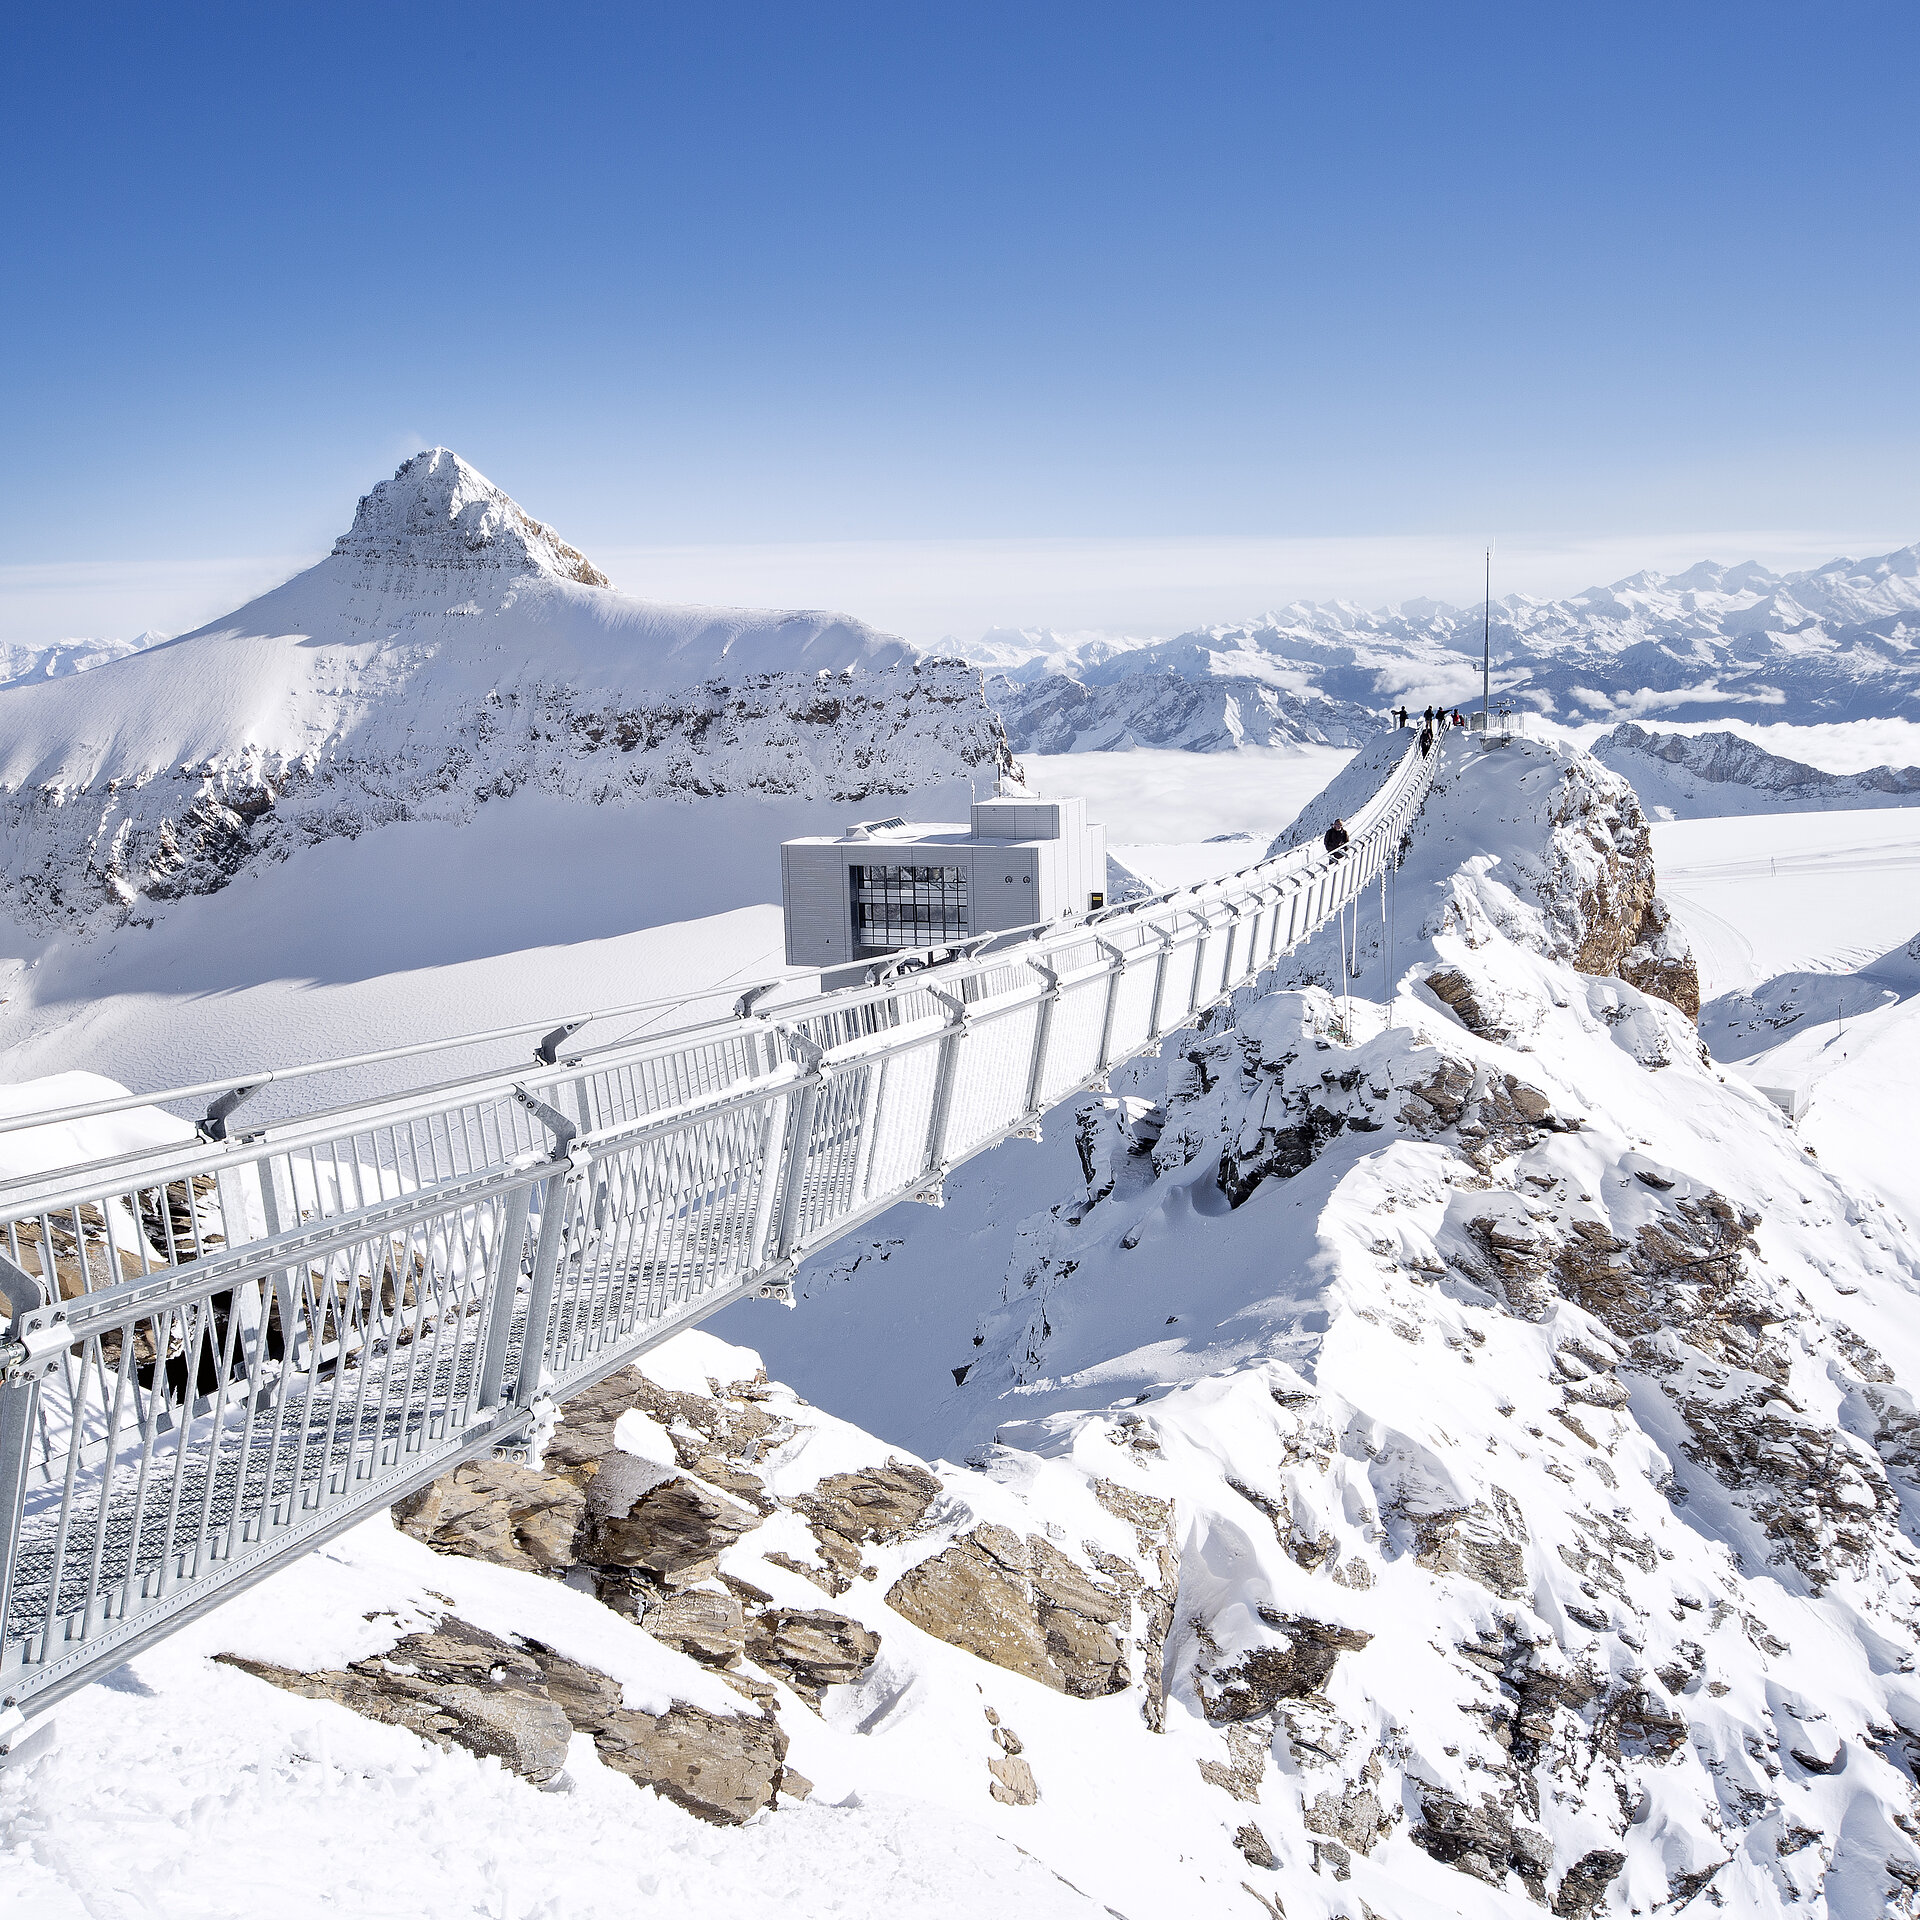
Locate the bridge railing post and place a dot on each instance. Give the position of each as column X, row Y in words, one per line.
column 799, row 1143
column 1116, row 978
column 554, row 1204
column 19, row 1415
column 504, row 1290
column 951, row 1043
column 1042, row 1031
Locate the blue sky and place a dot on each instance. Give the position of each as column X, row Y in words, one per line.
column 719, row 277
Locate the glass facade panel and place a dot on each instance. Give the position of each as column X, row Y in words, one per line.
column 907, row 907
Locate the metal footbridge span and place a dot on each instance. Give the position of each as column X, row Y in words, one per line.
column 222, row 1349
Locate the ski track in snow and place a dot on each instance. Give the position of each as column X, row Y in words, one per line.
column 1769, row 893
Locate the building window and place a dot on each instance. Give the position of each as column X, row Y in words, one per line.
column 907, row 907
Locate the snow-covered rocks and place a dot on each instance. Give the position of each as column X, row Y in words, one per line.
column 448, row 654
column 1447, row 1450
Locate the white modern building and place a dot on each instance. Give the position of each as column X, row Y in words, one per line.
column 884, row 885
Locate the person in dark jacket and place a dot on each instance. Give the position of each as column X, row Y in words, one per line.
column 1335, row 840
column 1426, row 741
column 1399, row 716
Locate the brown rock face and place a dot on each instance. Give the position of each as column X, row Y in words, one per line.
column 724, row 1768
column 1023, row 1605
column 1478, row 1543
column 1586, row 1882
column 711, row 1627
column 1350, row 1813
column 1453, row 987
column 462, row 1687
column 879, row 1504
column 1658, row 965
column 1602, row 883
column 456, row 1686
column 490, row 1510
column 640, row 1515
column 811, row 1650
column 1484, row 1841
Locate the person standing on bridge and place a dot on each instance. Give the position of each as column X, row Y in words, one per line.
column 1426, row 740
column 1335, row 840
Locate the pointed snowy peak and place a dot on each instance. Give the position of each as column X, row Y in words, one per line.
column 439, row 512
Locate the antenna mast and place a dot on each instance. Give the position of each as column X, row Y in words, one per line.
column 1486, row 643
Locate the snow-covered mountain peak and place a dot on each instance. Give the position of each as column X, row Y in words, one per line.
column 437, row 511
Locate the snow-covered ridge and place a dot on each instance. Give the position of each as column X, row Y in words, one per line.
column 1201, row 710
column 449, row 652
column 1685, row 774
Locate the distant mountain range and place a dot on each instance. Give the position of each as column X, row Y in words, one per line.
column 21, row 664
column 1684, row 776
column 1838, row 642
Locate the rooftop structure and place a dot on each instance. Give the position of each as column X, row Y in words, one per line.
column 888, row 885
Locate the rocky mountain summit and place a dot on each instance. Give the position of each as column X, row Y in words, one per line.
column 438, row 513
column 450, row 652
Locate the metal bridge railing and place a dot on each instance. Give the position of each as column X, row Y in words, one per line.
column 223, row 1348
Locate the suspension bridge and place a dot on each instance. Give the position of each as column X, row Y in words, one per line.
column 223, row 1349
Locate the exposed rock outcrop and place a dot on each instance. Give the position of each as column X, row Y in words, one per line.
column 1025, row 1606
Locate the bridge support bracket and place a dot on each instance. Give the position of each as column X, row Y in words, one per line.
column 1031, row 1131
column 23, row 1739
column 933, row 1194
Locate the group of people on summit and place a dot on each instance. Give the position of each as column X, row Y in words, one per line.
column 1432, row 717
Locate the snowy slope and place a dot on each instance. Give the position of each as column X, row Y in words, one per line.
column 1834, row 643
column 1688, row 776
column 1769, row 893
column 448, row 653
